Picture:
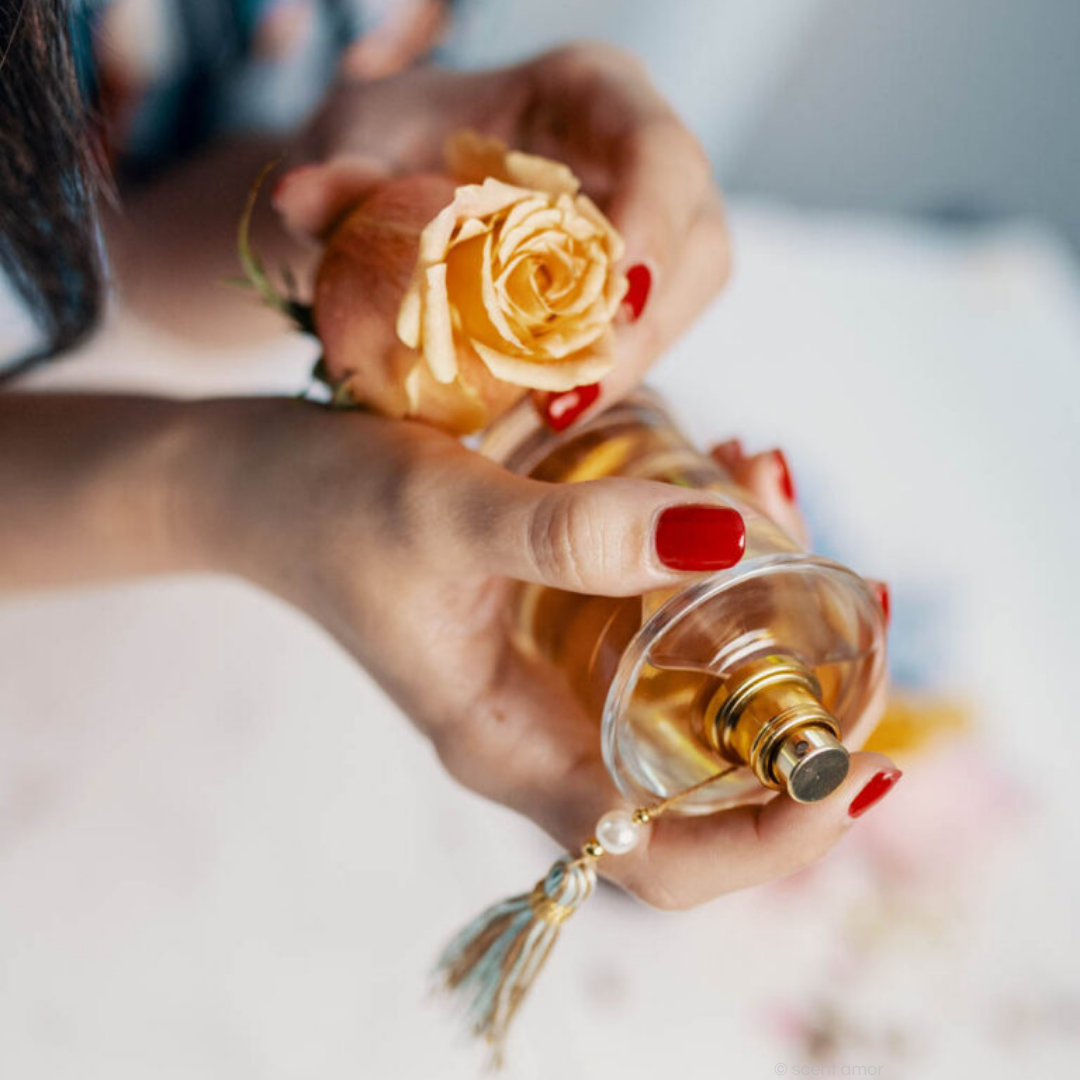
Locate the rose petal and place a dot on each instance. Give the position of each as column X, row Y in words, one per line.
column 512, row 237
column 467, row 274
column 408, row 320
column 517, row 213
column 470, row 201
column 577, row 370
column 561, row 343
column 412, row 387
column 469, row 229
column 590, row 286
column 437, row 335
column 540, row 174
column 614, row 292
column 519, row 288
column 492, row 301
column 470, row 157
column 588, row 209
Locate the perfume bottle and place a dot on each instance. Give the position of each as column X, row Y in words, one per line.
column 763, row 671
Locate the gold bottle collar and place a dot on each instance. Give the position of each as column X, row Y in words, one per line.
column 768, row 714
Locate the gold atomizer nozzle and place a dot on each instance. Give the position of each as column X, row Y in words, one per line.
column 768, row 714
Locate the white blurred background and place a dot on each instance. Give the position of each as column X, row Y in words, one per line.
column 224, row 855
column 955, row 108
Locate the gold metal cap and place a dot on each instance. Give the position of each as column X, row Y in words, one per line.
column 768, row 714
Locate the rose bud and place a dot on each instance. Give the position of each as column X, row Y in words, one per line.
column 503, row 284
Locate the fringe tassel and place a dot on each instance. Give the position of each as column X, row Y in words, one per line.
column 493, row 961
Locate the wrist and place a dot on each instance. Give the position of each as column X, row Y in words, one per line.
column 230, row 510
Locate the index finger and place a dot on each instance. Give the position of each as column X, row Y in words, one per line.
column 627, row 144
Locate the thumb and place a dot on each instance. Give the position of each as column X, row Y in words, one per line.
column 610, row 537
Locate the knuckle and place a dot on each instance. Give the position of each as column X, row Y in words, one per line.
column 588, row 55
column 407, row 489
column 665, row 136
column 562, row 536
column 415, row 483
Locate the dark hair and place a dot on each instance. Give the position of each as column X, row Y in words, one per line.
column 49, row 173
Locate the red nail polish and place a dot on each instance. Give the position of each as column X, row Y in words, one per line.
column 700, row 537
column 883, row 599
column 639, row 285
column 561, row 410
column 877, row 787
column 787, row 485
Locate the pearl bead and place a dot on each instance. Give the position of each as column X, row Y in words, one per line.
column 617, row 832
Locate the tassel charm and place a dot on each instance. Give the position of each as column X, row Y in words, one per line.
column 494, row 960
column 491, row 964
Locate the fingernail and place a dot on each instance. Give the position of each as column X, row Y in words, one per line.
column 883, row 599
column 700, row 537
column 639, row 285
column 877, row 787
column 561, row 410
column 787, row 485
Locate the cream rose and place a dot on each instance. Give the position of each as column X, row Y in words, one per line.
column 445, row 298
column 519, row 269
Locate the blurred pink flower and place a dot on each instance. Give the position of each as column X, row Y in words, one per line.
column 944, row 820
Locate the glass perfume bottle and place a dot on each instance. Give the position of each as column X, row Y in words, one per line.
column 768, row 666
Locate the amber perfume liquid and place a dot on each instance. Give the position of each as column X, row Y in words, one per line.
column 768, row 666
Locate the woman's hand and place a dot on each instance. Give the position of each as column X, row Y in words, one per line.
column 590, row 106
column 403, row 544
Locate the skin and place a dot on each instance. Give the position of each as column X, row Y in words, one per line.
column 398, row 540
column 590, row 106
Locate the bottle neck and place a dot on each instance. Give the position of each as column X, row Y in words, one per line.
column 768, row 714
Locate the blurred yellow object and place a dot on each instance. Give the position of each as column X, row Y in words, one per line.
column 913, row 721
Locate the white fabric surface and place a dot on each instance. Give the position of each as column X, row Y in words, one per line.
column 224, row 855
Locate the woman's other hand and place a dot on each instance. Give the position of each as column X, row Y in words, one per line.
column 590, row 106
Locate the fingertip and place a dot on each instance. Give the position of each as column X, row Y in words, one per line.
column 294, row 191
column 311, row 198
column 695, row 538
column 729, row 454
column 884, row 598
column 807, row 830
column 560, row 409
column 878, row 776
column 783, row 475
column 639, row 284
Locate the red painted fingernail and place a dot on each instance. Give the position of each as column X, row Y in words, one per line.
column 787, row 485
column 877, row 787
column 700, row 537
column 883, row 599
column 639, row 285
column 561, row 410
